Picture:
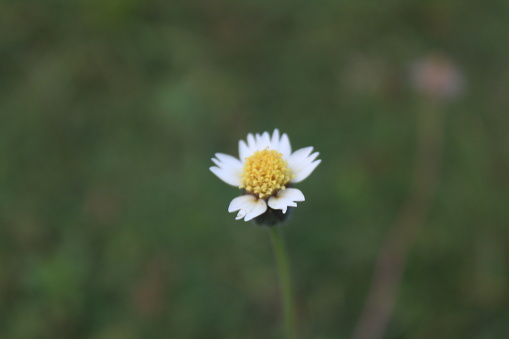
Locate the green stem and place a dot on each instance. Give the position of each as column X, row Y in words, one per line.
column 285, row 280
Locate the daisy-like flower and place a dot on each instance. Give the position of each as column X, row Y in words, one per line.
column 265, row 171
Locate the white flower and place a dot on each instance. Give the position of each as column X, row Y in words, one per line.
column 266, row 170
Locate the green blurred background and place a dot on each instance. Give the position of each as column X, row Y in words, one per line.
column 112, row 226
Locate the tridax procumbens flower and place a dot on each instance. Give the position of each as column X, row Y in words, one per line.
column 265, row 172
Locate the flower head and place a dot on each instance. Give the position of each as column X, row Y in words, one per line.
column 437, row 77
column 266, row 170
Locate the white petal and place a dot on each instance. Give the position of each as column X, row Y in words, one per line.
column 240, row 215
column 260, row 208
column 274, row 142
column 229, row 177
column 284, row 146
column 226, row 160
column 305, row 172
column 244, row 151
column 229, row 169
column 239, row 203
column 302, row 163
column 262, row 141
column 249, row 207
column 258, row 138
column 251, row 142
column 286, row 198
column 266, row 140
column 298, row 159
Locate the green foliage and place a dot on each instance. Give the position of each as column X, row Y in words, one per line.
column 111, row 225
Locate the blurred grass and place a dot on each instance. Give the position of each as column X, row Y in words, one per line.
column 111, row 225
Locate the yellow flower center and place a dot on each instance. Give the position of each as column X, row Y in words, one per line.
column 264, row 173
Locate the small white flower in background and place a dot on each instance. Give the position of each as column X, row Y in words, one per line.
column 265, row 172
